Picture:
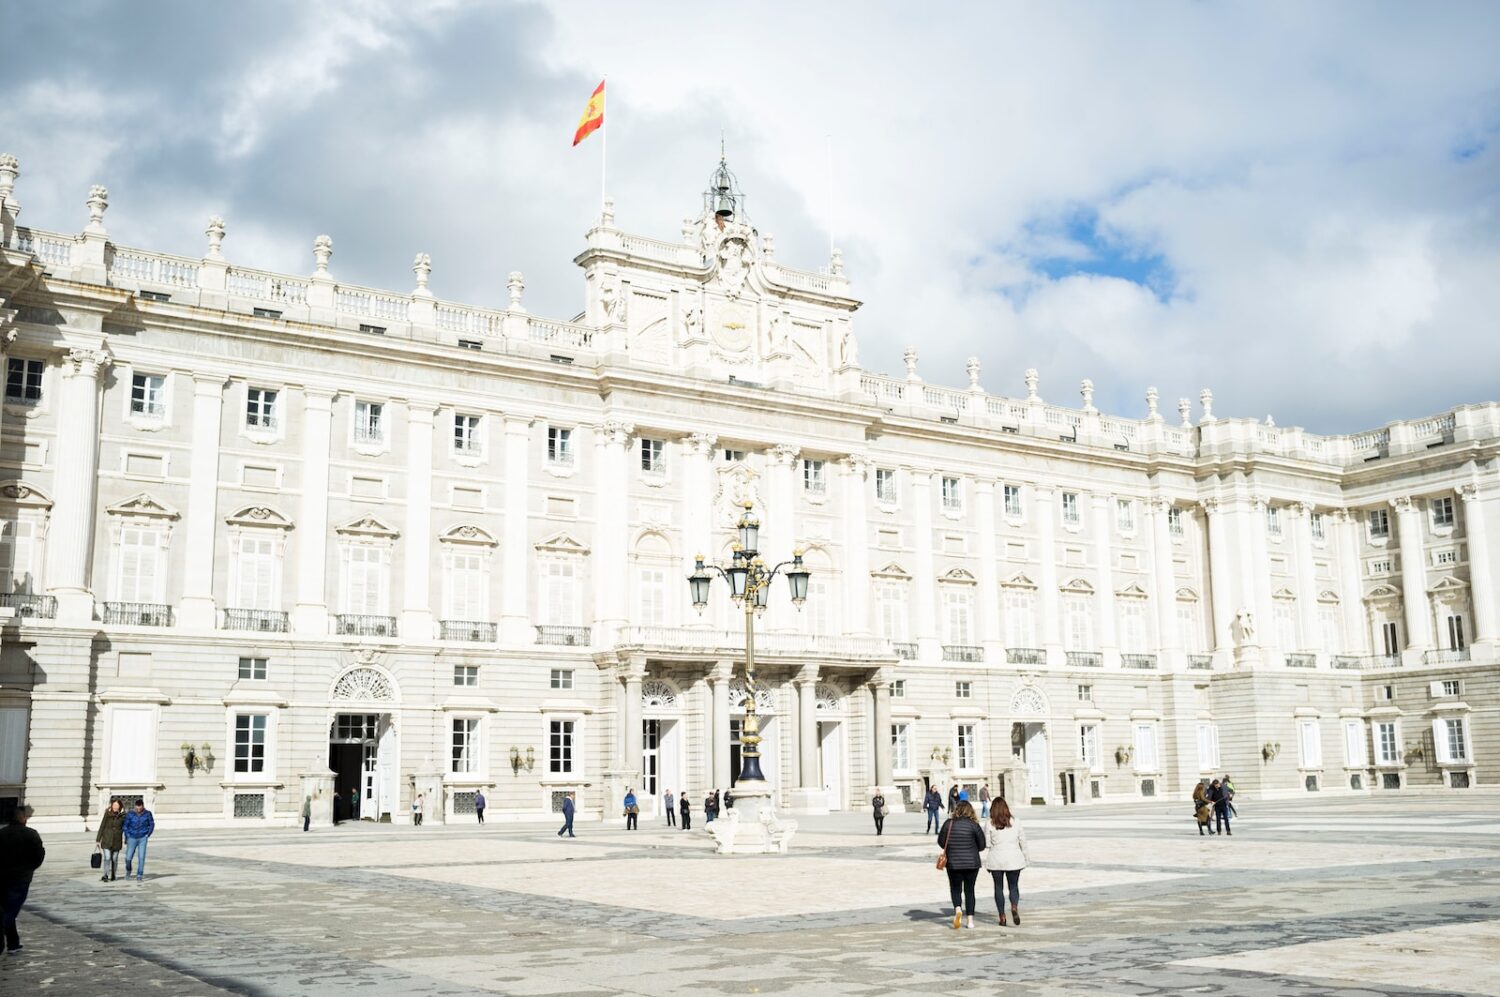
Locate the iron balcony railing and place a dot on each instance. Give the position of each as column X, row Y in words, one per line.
column 269, row 621
column 1137, row 661
column 1351, row 661
column 365, row 626
column 1373, row 661
column 1446, row 656
column 1085, row 659
column 1205, row 662
column 138, row 614
column 1025, row 656
column 569, row 636
column 906, row 652
column 962, row 652
column 1300, row 659
column 470, row 630
column 27, row 606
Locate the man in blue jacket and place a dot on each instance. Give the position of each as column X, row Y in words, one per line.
column 21, row 854
column 567, row 816
column 932, row 805
column 138, row 827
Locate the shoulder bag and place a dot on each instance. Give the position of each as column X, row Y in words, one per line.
column 96, row 860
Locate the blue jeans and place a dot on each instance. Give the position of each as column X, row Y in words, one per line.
column 132, row 846
column 12, row 897
column 932, row 821
column 1221, row 818
column 984, row 808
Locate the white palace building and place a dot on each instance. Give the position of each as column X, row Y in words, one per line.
column 271, row 536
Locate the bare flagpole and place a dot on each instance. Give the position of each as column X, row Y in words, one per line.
column 828, row 205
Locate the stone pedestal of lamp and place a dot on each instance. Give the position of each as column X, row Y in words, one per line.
column 751, row 826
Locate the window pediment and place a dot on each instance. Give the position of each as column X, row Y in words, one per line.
column 143, row 506
column 1448, row 584
column 1019, row 581
column 467, row 533
column 1383, row 592
column 1283, row 593
column 1133, row 591
column 892, row 570
column 367, row 527
column 20, row 493
column 1079, row 586
column 1186, row 594
column 959, row 576
column 561, row 543
column 1329, row 597
column 259, row 516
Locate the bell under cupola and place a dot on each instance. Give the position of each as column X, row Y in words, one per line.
column 724, row 201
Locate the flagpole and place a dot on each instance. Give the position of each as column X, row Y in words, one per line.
column 604, row 146
column 829, row 202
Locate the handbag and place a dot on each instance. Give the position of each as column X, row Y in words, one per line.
column 96, row 860
column 942, row 862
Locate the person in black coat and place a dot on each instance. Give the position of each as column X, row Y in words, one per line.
column 687, row 810
column 21, row 854
column 878, row 805
column 1219, row 797
column 962, row 839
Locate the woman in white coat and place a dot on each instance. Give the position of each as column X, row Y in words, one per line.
column 1005, row 858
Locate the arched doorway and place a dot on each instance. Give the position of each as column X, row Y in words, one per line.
column 661, row 743
column 1028, row 740
column 363, row 744
column 829, row 703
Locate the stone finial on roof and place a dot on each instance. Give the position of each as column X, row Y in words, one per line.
column 1086, row 389
column 836, row 263
column 909, row 358
column 98, row 203
column 1185, row 409
column 972, row 367
column 215, row 233
column 1151, row 398
column 515, row 284
column 1032, row 379
column 322, row 251
column 1206, row 399
column 421, row 265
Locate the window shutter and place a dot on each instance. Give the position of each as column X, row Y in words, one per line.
column 1440, row 741
column 1434, row 689
column 12, row 745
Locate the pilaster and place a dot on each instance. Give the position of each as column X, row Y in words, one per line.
column 416, row 602
column 197, row 609
column 610, row 546
column 515, row 552
column 1414, row 599
column 989, row 588
column 310, row 614
column 1046, row 517
column 856, row 540
column 924, row 574
column 1109, row 642
column 1481, row 568
column 76, row 481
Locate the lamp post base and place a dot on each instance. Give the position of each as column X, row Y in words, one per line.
column 751, row 826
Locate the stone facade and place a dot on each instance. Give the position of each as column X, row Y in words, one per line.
column 269, row 537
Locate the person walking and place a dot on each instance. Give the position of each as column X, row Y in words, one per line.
column 962, row 839
column 138, row 828
column 984, row 801
column 632, row 810
column 1220, row 798
column 568, row 809
column 306, row 813
column 954, row 795
column 710, row 806
column 416, row 811
column 338, row 808
column 1005, row 858
column 354, row 803
column 729, row 799
column 932, row 804
column 687, row 811
column 1228, row 786
column 878, row 805
column 479, row 804
column 111, row 838
column 1203, row 811
column 670, row 804
column 21, row 855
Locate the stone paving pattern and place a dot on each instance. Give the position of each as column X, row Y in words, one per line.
column 1345, row 897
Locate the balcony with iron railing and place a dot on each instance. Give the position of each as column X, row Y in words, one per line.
column 1025, row 656
column 30, row 607
column 905, row 651
column 1446, row 656
column 1085, row 659
column 359, row 625
column 1201, row 662
column 1376, row 661
column 1353, row 662
column 260, row 620
column 474, row 631
column 137, row 614
column 1144, row 661
column 1301, row 659
column 962, row 652
column 565, row 636
column 770, row 644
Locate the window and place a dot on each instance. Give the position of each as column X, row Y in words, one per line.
column 253, row 668
column 1315, row 524
column 1145, row 747
column 1085, row 694
column 465, row 753
column 1088, row 746
column 652, row 459
column 958, row 609
column 1447, row 557
column 1450, row 738
column 818, row 613
column 963, row 690
column 652, row 595
column 885, row 484
column 900, row 747
column 365, row 580
column 559, row 593
column 1442, row 513
column 968, row 748
column 18, row 560
column 1208, row 747
column 812, row 477
column 23, row 380
column 148, row 395
column 734, row 456
column 1189, row 626
column 470, row 344
column 1020, row 618
column 1332, row 627
column 1285, row 619
column 1133, row 638
column 1390, row 638
column 1174, row 521
column 562, row 678
column 257, row 570
column 260, row 408
column 1456, row 633
column 1355, row 756
column 466, row 675
column 1449, row 687
column 898, row 688
column 1070, row 512
column 368, row 424
column 1387, row 747
column 1078, row 622
column 250, row 742
column 1273, row 520
column 559, row 446
column 466, row 434
column 468, row 598
column 1012, row 495
column 1311, row 743
column 560, row 744
column 1380, row 523
column 1125, row 515
column 890, row 610
column 1381, row 567
column 953, row 496
column 138, row 578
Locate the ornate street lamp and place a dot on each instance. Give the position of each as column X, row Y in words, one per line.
column 749, row 586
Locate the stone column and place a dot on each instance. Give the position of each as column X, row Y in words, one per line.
column 416, row 600
column 1109, row 642
column 1481, row 579
column 611, row 562
column 1168, row 640
column 1307, row 578
column 924, row 589
column 778, row 526
column 1046, row 517
column 1221, row 580
column 809, row 797
column 633, row 672
column 1413, row 580
column 880, row 688
column 720, row 676
column 196, row 611
column 75, row 482
column 311, row 612
column 989, row 582
column 1351, row 590
column 697, row 498
column 515, row 550
column 1259, row 569
column 10, row 208
column 856, row 540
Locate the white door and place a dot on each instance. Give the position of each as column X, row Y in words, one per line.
column 669, row 761
column 829, row 742
column 650, row 765
column 1038, row 772
column 386, row 792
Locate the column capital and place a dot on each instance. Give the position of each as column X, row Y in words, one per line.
column 1469, row 492
column 984, row 485
column 783, row 454
column 702, row 444
column 323, row 396
column 1340, row 516
column 1210, row 504
column 631, row 668
column 1300, row 510
column 615, row 432
column 807, row 674
column 881, row 678
column 89, row 361
column 1159, row 503
column 857, row 464
column 516, row 423
column 1402, row 503
column 421, row 411
column 721, row 671
column 208, row 383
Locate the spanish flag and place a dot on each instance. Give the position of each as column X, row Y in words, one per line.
column 593, row 115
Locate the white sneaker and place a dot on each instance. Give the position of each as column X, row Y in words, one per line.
column 969, row 921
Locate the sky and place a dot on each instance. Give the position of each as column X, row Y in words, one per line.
column 1295, row 205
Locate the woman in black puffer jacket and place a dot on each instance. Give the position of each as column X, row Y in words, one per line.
column 962, row 839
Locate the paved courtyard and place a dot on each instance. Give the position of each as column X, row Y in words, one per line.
column 1348, row 897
